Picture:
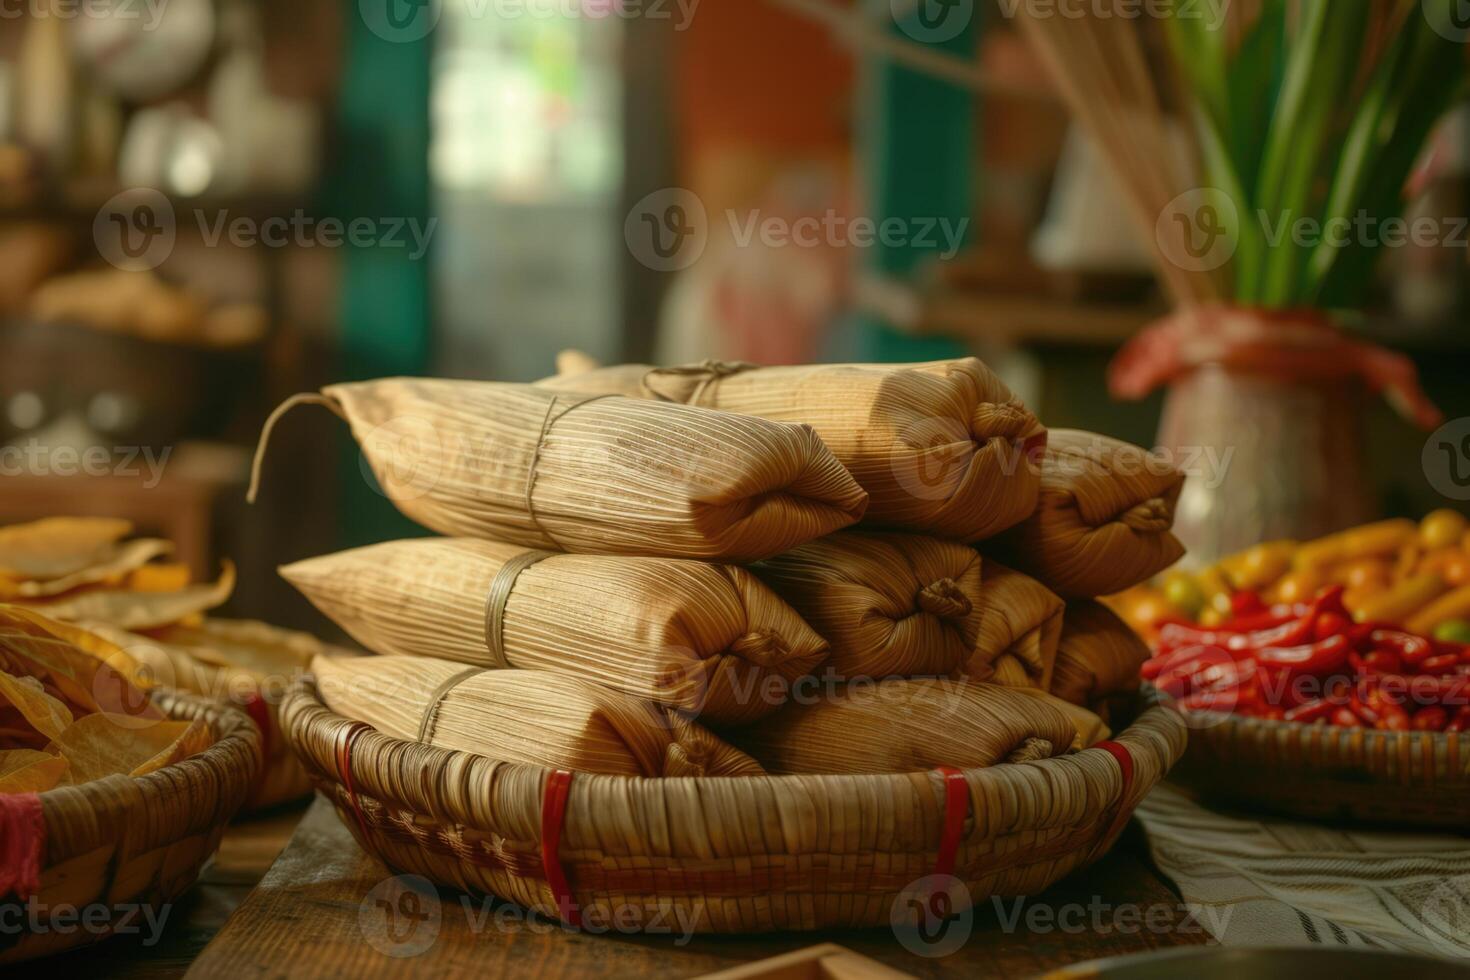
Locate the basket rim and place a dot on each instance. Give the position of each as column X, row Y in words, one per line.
column 1152, row 707
column 1231, row 723
column 236, row 737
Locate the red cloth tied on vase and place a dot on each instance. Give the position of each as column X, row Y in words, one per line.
column 1294, row 345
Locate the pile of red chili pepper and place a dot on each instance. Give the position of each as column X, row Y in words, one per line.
column 1311, row 663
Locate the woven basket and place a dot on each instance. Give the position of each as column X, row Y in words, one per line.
column 1323, row 772
column 731, row 854
column 125, row 842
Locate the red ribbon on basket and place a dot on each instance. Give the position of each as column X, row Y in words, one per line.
column 956, row 806
column 1124, row 811
column 22, row 842
column 553, row 818
column 259, row 713
column 1294, row 345
column 345, row 742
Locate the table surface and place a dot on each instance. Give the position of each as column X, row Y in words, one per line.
column 289, row 895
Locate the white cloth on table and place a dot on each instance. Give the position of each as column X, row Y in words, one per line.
column 1268, row 881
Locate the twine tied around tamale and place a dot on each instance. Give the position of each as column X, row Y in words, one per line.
column 547, row 422
column 707, row 373
column 1154, row 515
column 496, row 598
column 305, row 398
column 431, row 713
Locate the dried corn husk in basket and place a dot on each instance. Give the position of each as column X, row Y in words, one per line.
column 710, row 640
column 233, row 661
column 58, row 546
column 523, row 716
column 1103, row 521
column 138, row 610
column 941, row 448
column 528, row 466
column 1098, row 655
column 905, row 605
column 908, row 725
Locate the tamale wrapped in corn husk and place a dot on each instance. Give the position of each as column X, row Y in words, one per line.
column 524, row 716
column 905, row 605
column 908, row 725
column 1090, row 726
column 709, row 640
column 941, row 448
column 573, row 473
column 1022, row 619
column 1098, row 655
column 1103, row 521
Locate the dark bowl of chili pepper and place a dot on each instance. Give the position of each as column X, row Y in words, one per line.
column 1301, row 709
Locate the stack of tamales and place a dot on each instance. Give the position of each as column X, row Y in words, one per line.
column 724, row 569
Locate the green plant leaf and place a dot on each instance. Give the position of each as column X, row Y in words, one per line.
column 1320, row 65
column 1426, row 77
column 1255, row 81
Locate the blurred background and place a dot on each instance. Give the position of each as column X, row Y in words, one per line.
column 209, row 205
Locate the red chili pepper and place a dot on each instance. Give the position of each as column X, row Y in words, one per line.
column 1367, row 712
column 1461, row 721
column 1309, row 711
column 1440, row 663
column 1246, row 603
column 1345, row 718
column 1267, row 619
column 1322, row 657
column 1430, row 719
column 1393, row 718
column 1411, row 649
column 1380, row 662
column 1329, row 624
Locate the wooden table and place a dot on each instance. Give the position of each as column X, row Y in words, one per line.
column 306, row 917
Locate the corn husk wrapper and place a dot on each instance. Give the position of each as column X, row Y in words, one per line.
column 1103, row 521
column 906, row 726
column 941, row 448
column 525, row 716
column 57, row 546
column 524, row 465
column 139, row 610
column 99, row 745
column 902, row 605
column 1098, row 655
column 1022, row 619
column 223, row 659
column 30, row 770
column 84, row 671
column 112, row 568
column 1090, row 727
column 709, row 640
column 69, row 712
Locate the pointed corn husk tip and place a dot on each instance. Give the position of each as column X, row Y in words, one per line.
column 304, row 398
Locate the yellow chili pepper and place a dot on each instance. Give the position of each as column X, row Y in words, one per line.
column 1442, row 529
column 1368, row 541
column 1403, row 600
column 1255, row 568
column 1451, row 605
